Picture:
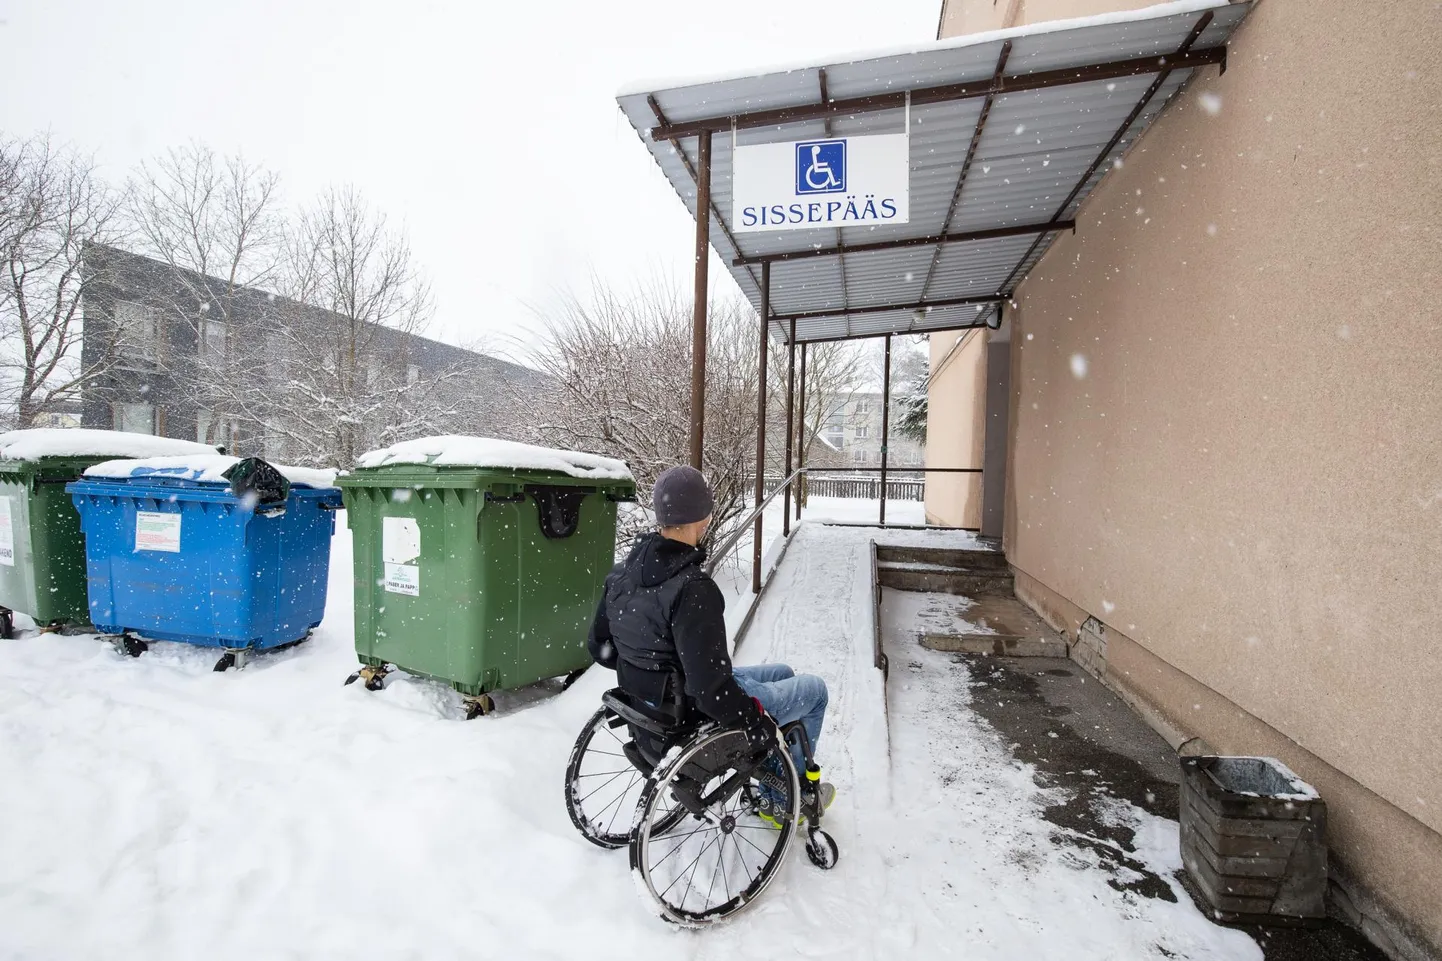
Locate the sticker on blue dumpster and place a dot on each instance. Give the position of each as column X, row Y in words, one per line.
column 157, row 532
column 7, row 533
column 400, row 545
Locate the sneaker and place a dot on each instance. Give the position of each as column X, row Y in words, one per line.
column 770, row 809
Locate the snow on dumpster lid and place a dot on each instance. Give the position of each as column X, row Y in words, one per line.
column 85, row 442
column 456, row 451
column 203, row 468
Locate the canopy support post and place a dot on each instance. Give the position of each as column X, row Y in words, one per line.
column 698, row 307
column 790, row 426
column 761, row 427
column 885, row 422
column 801, row 435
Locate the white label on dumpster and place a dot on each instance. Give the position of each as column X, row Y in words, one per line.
column 403, row 579
column 7, row 533
column 157, row 532
column 400, row 545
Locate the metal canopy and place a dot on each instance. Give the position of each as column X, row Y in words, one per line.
column 1010, row 131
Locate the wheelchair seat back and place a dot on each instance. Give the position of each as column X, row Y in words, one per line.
column 654, row 727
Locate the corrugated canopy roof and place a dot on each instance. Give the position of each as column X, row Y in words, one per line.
column 1009, row 133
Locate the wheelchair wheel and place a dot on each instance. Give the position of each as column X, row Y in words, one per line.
column 703, row 869
column 602, row 787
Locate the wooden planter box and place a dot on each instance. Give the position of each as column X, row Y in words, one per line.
column 1254, row 840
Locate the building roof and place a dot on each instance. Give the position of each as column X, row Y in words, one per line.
column 1009, row 133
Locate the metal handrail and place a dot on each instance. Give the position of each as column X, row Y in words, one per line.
column 735, row 538
column 785, row 484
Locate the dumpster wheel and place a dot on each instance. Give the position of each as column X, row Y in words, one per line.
column 374, row 676
column 7, row 623
column 131, row 646
column 479, row 706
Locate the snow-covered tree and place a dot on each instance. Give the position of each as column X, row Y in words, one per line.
column 910, row 420
column 349, row 381
column 52, row 204
column 217, row 225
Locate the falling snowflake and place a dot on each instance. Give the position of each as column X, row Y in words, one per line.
column 1078, row 366
column 1211, row 103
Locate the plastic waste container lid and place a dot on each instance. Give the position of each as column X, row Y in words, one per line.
column 489, row 453
column 201, row 469
column 84, row 444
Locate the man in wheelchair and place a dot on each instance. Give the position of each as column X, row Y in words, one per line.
column 662, row 617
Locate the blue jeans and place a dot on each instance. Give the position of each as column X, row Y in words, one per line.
column 787, row 696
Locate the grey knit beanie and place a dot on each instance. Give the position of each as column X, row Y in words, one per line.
column 681, row 496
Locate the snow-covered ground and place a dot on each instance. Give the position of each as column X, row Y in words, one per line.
column 154, row 809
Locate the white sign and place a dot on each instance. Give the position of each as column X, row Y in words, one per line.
column 837, row 182
column 400, row 545
column 403, row 579
column 7, row 532
column 157, row 532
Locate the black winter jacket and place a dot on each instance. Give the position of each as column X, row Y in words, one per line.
column 662, row 613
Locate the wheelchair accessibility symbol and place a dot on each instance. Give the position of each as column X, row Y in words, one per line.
column 821, row 167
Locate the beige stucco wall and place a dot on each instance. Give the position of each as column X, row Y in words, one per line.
column 1247, row 480
column 955, row 428
column 976, row 16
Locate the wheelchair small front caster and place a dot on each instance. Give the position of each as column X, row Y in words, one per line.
column 822, row 851
column 479, row 706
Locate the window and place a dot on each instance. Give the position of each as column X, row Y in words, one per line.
column 212, row 341
column 863, row 407
column 139, row 333
column 862, row 431
column 136, row 418
column 858, row 455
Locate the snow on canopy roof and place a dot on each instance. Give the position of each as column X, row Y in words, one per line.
column 1040, row 152
column 85, row 442
column 203, row 468
column 458, row 451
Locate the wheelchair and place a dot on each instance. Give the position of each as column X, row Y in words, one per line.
column 686, row 796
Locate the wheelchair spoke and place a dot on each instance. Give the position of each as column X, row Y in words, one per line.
column 691, row 868
column 626, row 770
column 603, row 784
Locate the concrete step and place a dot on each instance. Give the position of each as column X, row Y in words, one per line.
column 1000, row 645
column 969, row 560
column 1006, row 627
column 944, row 580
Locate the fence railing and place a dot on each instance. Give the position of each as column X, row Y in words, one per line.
column 866, row 488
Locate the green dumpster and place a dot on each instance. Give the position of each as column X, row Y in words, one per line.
column 479, row 562
column 42, row 552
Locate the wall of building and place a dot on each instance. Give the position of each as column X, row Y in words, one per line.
column 960, row 17
column 955, row 427
column 1241, row 475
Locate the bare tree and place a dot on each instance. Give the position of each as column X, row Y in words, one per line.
column 834, row 373
column 52, row 204
column 618, row 369
column 349, row 381
column 216, row 223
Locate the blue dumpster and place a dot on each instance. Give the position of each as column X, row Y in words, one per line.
column 177, row 551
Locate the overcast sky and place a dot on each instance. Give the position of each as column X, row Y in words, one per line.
column 490, row 129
